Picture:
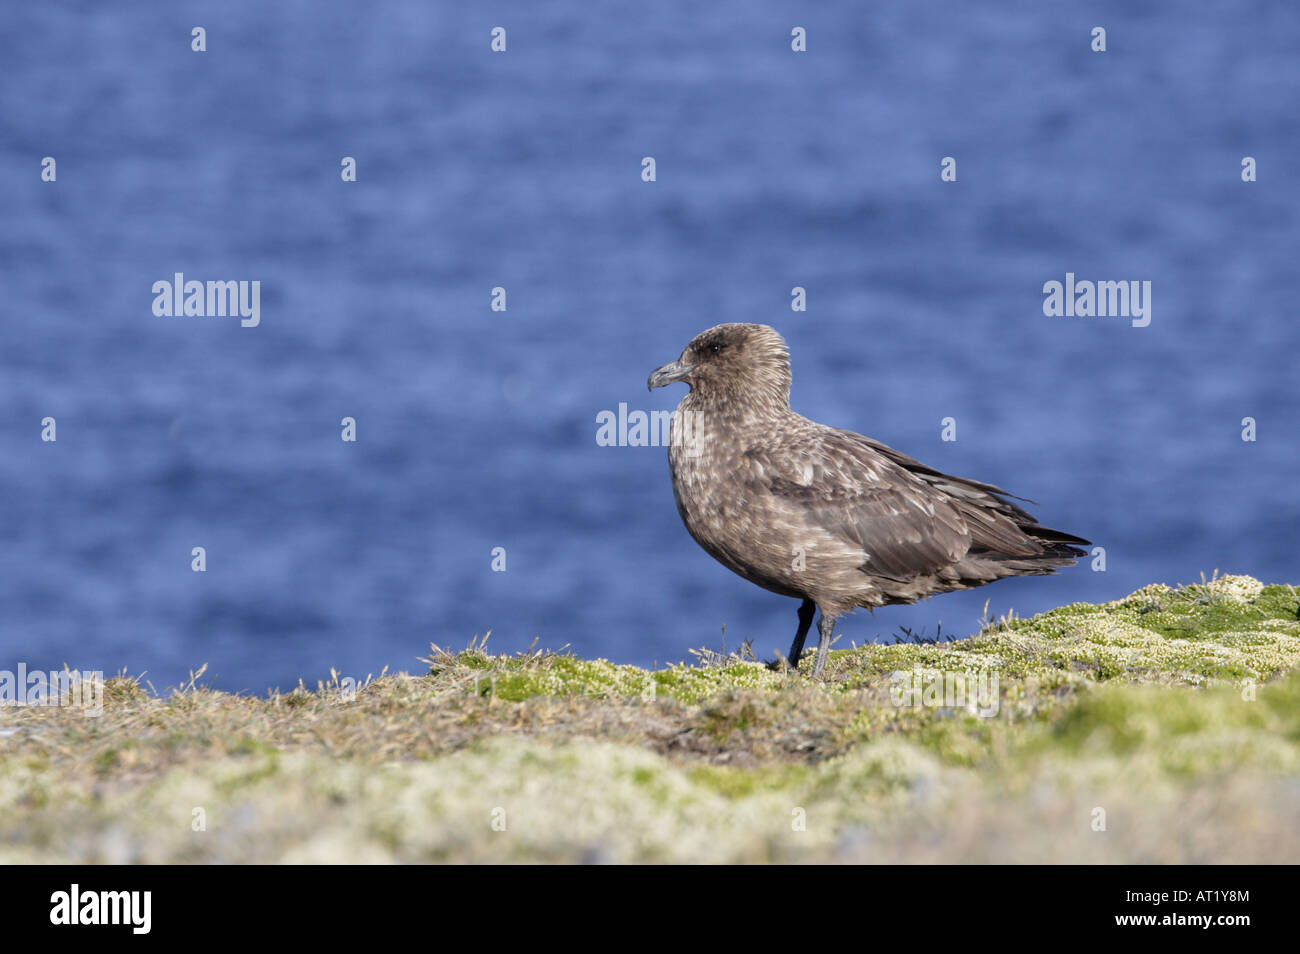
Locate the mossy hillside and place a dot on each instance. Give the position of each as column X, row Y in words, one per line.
column 1174, row 711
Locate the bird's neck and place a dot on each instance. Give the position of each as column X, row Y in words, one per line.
column 719, row 423
column 753, row 403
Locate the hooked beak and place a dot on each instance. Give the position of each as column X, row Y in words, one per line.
column 669, row 374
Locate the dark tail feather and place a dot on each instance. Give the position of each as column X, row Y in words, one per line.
column 1057, row 539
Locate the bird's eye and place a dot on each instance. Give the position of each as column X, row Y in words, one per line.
column 716, row 348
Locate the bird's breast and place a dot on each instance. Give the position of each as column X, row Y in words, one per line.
column 718, row 496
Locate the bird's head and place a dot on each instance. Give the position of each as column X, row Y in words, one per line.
column 732, row 361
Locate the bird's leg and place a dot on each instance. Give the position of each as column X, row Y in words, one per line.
column 825, row 629
column 806, row 610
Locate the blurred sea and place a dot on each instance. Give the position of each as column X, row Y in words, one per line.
column 476, row 429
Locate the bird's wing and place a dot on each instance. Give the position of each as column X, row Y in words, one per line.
column 825, row 480
column 947, row 482
column 996, row 524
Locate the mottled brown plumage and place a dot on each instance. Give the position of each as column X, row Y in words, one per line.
column 825, row 515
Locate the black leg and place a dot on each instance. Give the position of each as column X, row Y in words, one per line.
column 825, row 629
column 806, row 610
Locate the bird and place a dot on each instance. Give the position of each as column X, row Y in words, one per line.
column 825, row 515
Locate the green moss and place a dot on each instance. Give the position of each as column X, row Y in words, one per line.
column 250, row 746
column 957, row 740
column 734, row 783
column 1238, row 624
column 263, row 767
column 1279, row 602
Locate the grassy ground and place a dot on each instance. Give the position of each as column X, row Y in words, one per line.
column 1164, row 727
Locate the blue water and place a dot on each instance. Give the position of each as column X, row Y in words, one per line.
column 476, row 428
